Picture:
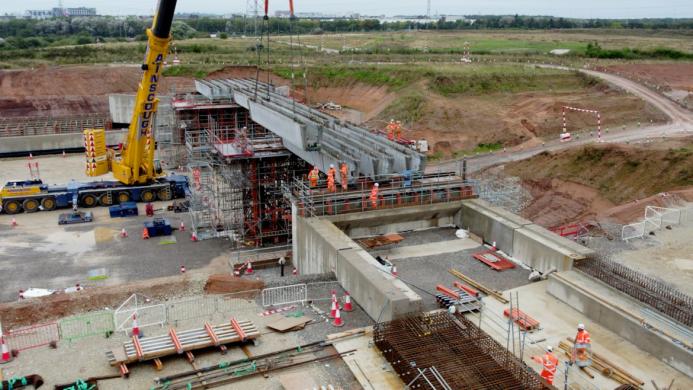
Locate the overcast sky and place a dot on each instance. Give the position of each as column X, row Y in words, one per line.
column 566, row 8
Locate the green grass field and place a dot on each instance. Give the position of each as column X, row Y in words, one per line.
column 403, row 46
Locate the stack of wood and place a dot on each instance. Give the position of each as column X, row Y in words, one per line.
column 490, row 292
column 604, row 366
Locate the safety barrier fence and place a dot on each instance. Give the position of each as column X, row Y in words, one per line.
column 659, row 295
column 106, row 322
column 655, row 218
column 33, row 336
column 92, row 324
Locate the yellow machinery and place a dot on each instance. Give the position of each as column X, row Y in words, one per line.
column 135, row 164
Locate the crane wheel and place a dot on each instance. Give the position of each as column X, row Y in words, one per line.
column 165, row 194
column 123, row 197
column 31, row 205
column 48, row 204
column 12, row 207
column 148, row 196
column 88, row 201
column 105, row 200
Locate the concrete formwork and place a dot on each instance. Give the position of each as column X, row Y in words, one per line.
column 618, row 313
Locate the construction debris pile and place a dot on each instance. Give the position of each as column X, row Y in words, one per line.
column 450, row 352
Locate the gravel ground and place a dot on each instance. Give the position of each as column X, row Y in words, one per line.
column 425, row 236
column 427, row 272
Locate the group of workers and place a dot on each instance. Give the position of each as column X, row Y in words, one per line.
column 394, row 130
column 314, row 178
column 581, row 355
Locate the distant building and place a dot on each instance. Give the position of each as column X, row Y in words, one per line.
column 39, row 14
column 59, row 12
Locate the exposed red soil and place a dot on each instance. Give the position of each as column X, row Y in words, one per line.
column 674, row 75
column 73, row 90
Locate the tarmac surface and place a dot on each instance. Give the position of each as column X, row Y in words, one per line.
column 39, row 253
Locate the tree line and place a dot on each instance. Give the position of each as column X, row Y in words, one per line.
column 28, row 33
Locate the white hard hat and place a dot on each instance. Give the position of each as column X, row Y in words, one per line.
column 392, row 119
column 581, row 326
column 549, row 348
column 377, row 185
column 331, row 165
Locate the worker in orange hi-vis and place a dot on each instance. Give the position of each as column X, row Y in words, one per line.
column 374, row 195
column 344, row 173
column 583, row 347
column 331, row 187
column 550, row 363
column 313, row 177
column 331, row 174
column 398, row 130
column 391, row 129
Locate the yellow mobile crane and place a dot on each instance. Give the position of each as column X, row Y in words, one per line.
column 137, row 172
column 136, row 162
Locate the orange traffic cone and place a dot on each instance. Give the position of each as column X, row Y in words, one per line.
column 249, row 269
column 337, row 319
column 14, row 222
column 31, row 156
column 333, row 310
column 145, row 234
column 182, row 226
column 182, row 269
column 6, row 357
column 347, row 302
column 123, row 233
column 135, row 327
column 21, row 294
column 193, row 238
column 63, row 154
column 78, row 287
column 394, row 270
column 294, row 272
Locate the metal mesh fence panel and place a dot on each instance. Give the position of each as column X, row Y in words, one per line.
column 191, row 308
column 275, row 296
column 661, row 296
column 92, row 324
column 32, row 336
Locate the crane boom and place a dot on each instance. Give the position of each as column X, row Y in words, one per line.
column 136, row 162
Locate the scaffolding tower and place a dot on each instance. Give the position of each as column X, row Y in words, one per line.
column 237, row 168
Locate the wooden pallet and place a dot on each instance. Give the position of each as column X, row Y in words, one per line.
column 155, row 347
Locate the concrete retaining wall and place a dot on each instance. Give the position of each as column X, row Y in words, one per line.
column 520, row 238
column 319, row 247
column 621, row 323
column 52, row 142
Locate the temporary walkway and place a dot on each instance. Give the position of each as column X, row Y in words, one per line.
column 315, row 137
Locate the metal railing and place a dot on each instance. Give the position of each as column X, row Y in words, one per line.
column 395, row 191
column 661, row 296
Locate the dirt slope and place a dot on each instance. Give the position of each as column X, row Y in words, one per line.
column 73, row 90
column 605, row 181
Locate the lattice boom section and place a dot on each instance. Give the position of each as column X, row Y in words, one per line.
column 465, row 356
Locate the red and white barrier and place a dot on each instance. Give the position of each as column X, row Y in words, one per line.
column 565, row 136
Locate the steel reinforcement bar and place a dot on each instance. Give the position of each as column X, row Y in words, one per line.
column 464, row 355
column 661, row 296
